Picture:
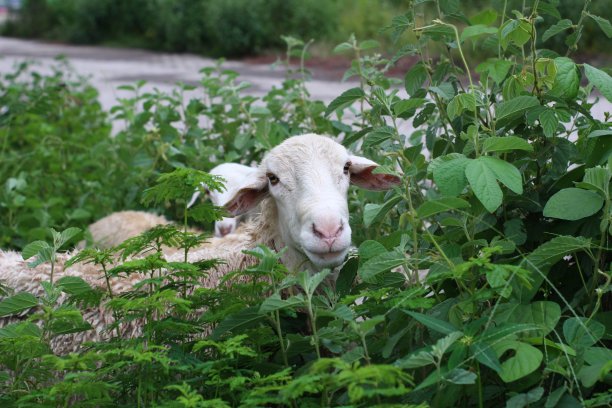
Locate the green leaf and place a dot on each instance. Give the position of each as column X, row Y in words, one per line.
column 67, row 235
column 601, row 132
column 408, row 104
column 275, row 302
column 567, row 80
column 344, row 100
column 247, row 317
column 476, row 30
column 525, row 399
column 505, row 172
column 543, row 314
column 74, row 285
column 415, row 77
column 373, row 213
column 461, row 376
column 379, row 264
column 495, row 68
column 485, row 17
column 449, row 174
column 434, row 324
column 557, row 28
column 368, row 44
column 526, row 359
column 573, row 204
column 378, row 136
column 34, row 248
column 17, row 303
column 505, row 144
column 431, row 207
column 484, row 354
column 508, row 112
column 369, row 249
column 459, row 103
column 600, row 80
column 484, row 184
column 579, row 332
column 604, row 24
column 549, row 122
column 517, row 32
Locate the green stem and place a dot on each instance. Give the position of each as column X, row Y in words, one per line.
column 579, row 28
column 280, row 338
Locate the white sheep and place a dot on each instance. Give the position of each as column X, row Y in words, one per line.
column 302, row 185
column 233, row 174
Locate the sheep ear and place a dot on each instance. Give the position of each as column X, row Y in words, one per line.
column 362, row 176
column 248, row 197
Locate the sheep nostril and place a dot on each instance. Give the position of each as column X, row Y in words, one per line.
column 327, row 232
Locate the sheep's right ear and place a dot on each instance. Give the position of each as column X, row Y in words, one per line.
column 248, row 196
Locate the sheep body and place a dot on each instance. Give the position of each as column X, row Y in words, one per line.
column 115, row 228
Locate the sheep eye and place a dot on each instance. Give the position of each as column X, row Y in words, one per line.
column 272, row 178
column 347, row 166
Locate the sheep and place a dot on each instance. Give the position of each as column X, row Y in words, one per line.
column 115, row 228
column 302, row 186
column 233, row 174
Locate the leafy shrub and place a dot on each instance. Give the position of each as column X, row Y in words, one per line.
column 505, row 203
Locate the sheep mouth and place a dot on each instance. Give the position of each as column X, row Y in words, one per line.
column 326, row 256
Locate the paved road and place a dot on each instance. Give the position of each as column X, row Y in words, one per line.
column 109, row 68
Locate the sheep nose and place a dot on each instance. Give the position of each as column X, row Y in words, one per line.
column 224, row 230
column 328, row 231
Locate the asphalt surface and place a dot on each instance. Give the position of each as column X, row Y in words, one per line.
column 108, row 68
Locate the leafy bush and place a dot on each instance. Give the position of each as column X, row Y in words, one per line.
column 505, row 205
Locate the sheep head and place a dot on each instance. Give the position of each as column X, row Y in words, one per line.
column 307, row 177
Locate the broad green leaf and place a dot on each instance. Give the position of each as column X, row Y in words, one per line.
column 461, row 376
column 526, row 359
column 601, row 132
column 485, row 17
column 67, row 235
column 408, row 104
column 476, row 30
column 431, row 207
column 20, row 329
column 344, row 100
column 369, row 249
column 368, row 44
column 579, row 332
column 525, row 399
column 275, row 302
column 567, row 80
column 508, row 112
column 379, row 264
column 433, row 323
column 460, row 103
column 600, row 79
column 415, row 77
column 247, row 317
column 449, row 175
column 34, row 248
column 373, row 213
column 74, row 285
column 557, row 28
column 17, row 303
column 484, row 354
column 604, row 24
column 517, row 32
column 505, row 144
column 543, row 314
column 505, row 172
column 495, row 68
column 420, row 359
column 549, row 122
column 439, row 31
column 484, row 184
column 378, row 135
column 573, row 204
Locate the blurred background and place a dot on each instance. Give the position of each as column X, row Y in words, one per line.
column 244, row 28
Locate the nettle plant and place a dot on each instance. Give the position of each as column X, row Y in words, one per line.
column 484, row 280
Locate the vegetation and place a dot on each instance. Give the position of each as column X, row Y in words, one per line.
column 506, row 201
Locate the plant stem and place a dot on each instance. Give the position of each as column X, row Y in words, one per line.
column 280, row 338
column 579, row 28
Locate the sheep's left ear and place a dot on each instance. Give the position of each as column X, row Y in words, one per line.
column 362, row 176
column 252, row 191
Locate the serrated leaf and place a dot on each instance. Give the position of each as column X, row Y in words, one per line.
column 477, row 30
column 604, row 24
column 431, row 207
column 557, row 28
column 449, row 175
column 369, row 249
column 34, row 248
column 17, row 303
column 573, row 204
column 505, row 144
column 549, row 122
column 505, row 172
column 601, row 132
column 517, row 32
column 459, row 103
column 344, row 100
column 433, row 323
column 408, row 104
column 414, row 78
column 67, row 235
column 495, row 68
column 600, row 80
column 507, row 112
column 73, row 285
column 243, row 319
column 484, row 184
column 275, row 302
column 379, row 264
column 373, row 213
column 567, row 80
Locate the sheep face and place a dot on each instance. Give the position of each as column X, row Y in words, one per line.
column 307, row 178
